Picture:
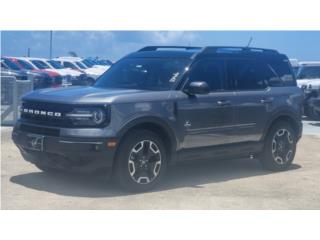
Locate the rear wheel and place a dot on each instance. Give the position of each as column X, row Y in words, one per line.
column 280, row 147
column 141, row 161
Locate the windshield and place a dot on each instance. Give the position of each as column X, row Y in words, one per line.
column 25, row 64
column 80, row 65
column 158, row 74
column 11, row 65
column 55, row 64
column 40, row 64
column 309, row 72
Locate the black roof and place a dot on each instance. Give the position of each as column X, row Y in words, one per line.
column 195, row 52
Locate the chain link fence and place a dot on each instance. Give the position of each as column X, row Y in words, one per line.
column 11, row 92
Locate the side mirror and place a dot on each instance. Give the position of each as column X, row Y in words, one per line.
column 197, row 88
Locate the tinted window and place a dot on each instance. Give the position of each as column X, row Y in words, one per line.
column 3, row 66
column 25, row 65
column 283, row 70
column 210, row 71
column 10, row 64
column 40, row 64
column 144, row 73
column 55, row 64
column 69, row 65
column 250, row 74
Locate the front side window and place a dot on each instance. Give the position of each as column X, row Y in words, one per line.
column 69, row 65
column 40, row 64
column 210, row 71
column 250, row 74
column 55, row 64
column 10, row 64
column 157, row 74
column 25, row 65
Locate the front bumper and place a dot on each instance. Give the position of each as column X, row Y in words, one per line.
column 65, row 153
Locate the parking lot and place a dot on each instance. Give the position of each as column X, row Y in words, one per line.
column 232, row 184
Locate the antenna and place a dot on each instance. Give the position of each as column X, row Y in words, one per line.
column 250, row 41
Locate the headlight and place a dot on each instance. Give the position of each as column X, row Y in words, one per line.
column 89, row 117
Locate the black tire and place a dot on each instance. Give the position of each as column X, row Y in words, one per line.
column 122, row 168
column 269, row 158
column 89, row 81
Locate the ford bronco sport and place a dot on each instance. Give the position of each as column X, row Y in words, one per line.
column 162, row 105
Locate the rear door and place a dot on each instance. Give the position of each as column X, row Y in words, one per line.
column 253, row 100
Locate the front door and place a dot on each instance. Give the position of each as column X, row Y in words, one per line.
column 207, row 119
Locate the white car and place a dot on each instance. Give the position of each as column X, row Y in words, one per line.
column 89, row 63
column 41, row 64
column 75, row 63
column 309, row 75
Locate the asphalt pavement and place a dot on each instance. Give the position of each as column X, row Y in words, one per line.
column 209, row 184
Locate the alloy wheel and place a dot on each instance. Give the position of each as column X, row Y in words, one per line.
column 282, row 146
column 144, row 162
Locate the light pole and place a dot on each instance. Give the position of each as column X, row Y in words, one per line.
column 50, row 55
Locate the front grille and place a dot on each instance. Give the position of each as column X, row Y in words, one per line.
column 39, row 119
column 40, row 130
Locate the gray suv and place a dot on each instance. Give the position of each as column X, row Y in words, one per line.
column 167, row 104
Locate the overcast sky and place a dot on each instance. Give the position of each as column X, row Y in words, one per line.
column 304, row 45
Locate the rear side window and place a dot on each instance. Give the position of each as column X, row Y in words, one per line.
column 250, row 74
column 283, row 70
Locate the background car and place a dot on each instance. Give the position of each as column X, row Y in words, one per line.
column 308, row 78
column 69, row 76
column 95, row 63
column 40, row 79
column 75, row 63
column 40, row 64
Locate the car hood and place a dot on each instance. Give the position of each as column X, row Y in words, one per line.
column 89, row 95
column 94, row 71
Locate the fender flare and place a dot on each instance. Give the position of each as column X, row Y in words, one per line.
column 169, row 131
column 283, row 113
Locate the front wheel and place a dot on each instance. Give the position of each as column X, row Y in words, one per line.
column 141, row 161
column 280, row 147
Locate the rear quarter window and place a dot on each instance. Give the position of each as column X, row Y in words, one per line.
column 282, row 68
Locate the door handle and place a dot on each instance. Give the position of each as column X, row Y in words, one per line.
column 223, row 103
column 266, row 101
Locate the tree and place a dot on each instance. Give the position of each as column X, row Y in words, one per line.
column 73, row 54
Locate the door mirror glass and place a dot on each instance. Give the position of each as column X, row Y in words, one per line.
column 197, row 88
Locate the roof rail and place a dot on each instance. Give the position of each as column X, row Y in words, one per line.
column 154, row 48
column 226, row 49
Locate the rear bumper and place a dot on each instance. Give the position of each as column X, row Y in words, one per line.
column 66, row 153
